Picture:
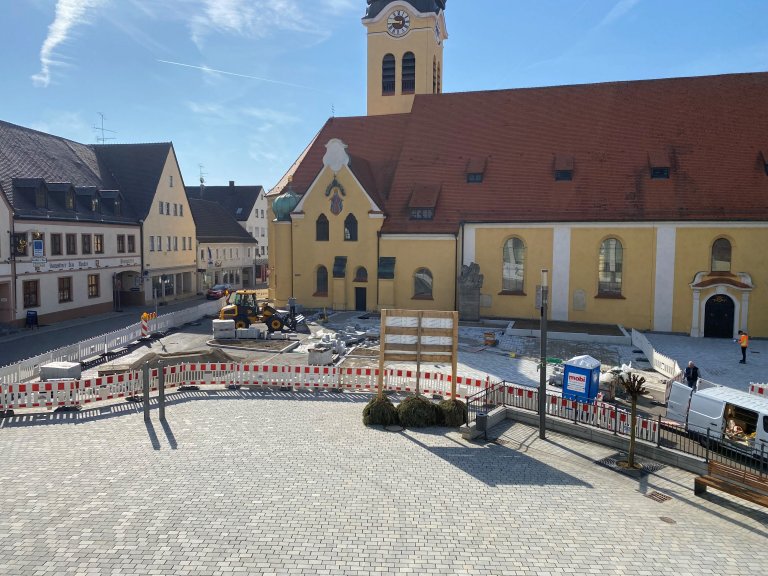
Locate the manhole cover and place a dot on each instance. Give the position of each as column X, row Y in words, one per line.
column 667, row 519
column 658, row 496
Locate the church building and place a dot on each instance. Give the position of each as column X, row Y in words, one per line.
column 647, row 201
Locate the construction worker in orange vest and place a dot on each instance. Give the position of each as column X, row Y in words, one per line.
column 743, row 342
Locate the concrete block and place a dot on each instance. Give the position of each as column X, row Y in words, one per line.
column 320, row 357
column 223, row 325
column 60, row 371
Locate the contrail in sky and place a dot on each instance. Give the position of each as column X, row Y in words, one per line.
column 207, row 69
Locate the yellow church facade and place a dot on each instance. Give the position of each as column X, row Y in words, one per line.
column 646, row 201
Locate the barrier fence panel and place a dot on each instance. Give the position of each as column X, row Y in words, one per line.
column 125, row 385
column 758, row 389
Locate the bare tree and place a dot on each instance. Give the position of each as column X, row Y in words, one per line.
column 634, row 387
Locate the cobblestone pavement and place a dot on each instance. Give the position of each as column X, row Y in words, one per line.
column 256, row 482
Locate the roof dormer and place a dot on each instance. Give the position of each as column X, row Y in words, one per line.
column 475, row 170
column 659, row 164
column 563, row 167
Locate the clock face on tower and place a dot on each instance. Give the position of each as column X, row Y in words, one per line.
column 398, row 23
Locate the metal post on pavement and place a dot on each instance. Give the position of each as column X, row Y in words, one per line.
column 161, row 390
column 145, row 383
column 543, row 365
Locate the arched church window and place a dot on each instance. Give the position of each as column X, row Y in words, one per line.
column 422, row 283
column 321, row 281
column 611, row 263
column 361, row 274
column 321, row 229
column 350, row 228
column 721, row 255
column 409, row 73
column 388, row 75
column 513, row 272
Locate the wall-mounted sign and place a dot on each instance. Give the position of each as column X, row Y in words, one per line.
column 37, row 248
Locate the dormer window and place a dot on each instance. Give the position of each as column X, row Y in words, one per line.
column 118, row 207
column 95, row 204
column 423, row 202
column 70, row 200
column 563, row 167
column 41, row 200
column 475, row 170
column 659, row 164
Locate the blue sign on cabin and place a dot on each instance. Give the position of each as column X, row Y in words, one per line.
column 581, row 378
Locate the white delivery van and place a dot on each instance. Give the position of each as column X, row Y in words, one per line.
column 732, row 417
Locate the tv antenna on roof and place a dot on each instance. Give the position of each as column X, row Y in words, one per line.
column 101, row 139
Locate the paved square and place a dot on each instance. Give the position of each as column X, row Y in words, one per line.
column 248, row 482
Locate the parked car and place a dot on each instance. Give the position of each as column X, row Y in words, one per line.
column 218, row 291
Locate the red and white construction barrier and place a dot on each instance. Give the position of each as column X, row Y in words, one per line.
column 758, row 389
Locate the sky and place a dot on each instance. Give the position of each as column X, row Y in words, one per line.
column 242, row 86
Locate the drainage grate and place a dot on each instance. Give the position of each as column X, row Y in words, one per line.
column 658, row 496
column 612, row 463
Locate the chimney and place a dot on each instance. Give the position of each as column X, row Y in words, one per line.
column 231, row 183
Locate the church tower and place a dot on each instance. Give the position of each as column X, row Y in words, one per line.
column 405, row 52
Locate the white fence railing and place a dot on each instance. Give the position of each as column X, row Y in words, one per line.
column 662, row 364
column 29, row 369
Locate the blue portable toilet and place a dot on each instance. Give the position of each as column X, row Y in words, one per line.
column 581, row 378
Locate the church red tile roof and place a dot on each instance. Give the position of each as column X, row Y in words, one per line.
column 710, row 131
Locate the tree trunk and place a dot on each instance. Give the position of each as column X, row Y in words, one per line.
column 633, row 422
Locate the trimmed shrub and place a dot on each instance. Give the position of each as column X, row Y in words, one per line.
column 380, row 411
column 453, row 412
column 418, row 412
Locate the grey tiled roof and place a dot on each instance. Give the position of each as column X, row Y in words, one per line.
column 215, row 224
column 237, row 200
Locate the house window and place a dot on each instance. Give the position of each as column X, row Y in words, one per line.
column 121, row 243
column 202, row 254
column 183, row 242
column 151, row 243
column 422, row 213
column 422, row 284
column 168, row 248
column 409, row 73
column 189, row 242
column 176, row 243
column 321, row 229
column 659, row 173
column 361, row 274
column 721, row 255
column 474, row 177
column 31, row 291
column 563, row 175
column 388, row 75
column 65, row 289
column 386, row 267
column 98, row 243
column 350, row 228
column 86, row 243
column 181, row 210
column 610, row 268
column 170, row 181
column 56, row 247
column 175, row 209
column 20, row 244
column 131, row 243
column 161, row 207
column 168, row 208
column 321, row 281
column 513, row 271
column 93, row 285
column 40, row 198
column 71, row 244
column 340, row 267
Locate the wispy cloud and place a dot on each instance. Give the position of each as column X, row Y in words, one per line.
column 69, row 13
column 226, row 73
column 226, row 113
column 618, row 10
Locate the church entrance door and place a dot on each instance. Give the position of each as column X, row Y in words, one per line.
column 718, row 321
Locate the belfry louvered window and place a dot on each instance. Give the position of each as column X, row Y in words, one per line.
column 388, row 75
column 409, row 73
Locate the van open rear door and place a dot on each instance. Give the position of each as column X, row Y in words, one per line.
column 678, row 402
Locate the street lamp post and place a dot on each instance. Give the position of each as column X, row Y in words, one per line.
column 543, row 365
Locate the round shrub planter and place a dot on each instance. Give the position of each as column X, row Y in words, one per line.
column 418, row 412
column 453, row 413
column 380, row 411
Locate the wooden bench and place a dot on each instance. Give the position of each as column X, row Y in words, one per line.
column 741, row 483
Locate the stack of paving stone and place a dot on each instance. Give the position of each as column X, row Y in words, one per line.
column 224, row 330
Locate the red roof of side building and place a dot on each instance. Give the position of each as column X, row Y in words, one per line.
column 711, row 131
